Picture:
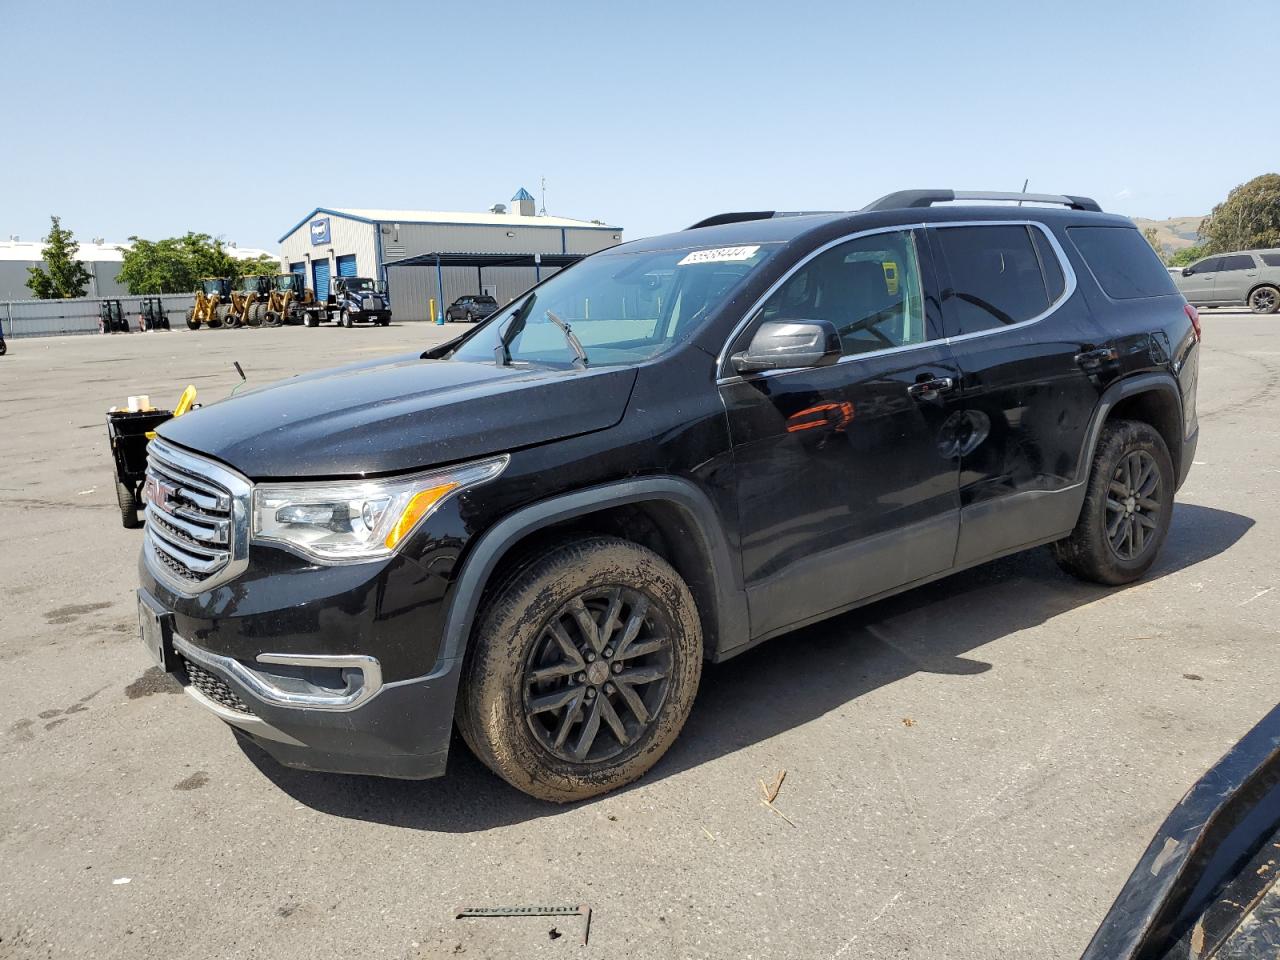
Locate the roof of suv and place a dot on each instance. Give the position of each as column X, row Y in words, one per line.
column 766, row 228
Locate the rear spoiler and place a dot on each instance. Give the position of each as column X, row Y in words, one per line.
column 905, row 199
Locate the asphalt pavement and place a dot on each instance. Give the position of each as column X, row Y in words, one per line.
column 972, row 768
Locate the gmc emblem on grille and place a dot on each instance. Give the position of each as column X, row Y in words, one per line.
column 160, row 493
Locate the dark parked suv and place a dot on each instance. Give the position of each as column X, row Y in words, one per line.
column 472, row 308
column 540, row 530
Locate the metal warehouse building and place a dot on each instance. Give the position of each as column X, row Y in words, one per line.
column 424, row 254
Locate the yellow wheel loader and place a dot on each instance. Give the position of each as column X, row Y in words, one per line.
column 213, row 303
column 249, row 301
column 289, row 296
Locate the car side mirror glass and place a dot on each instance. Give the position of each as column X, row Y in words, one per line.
column 788, row 344
column 1187, row 271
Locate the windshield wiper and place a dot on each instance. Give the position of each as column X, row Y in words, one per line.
column 571, row 338
column 502, row 352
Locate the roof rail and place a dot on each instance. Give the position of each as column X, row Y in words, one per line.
column 926, row 198
column 721, row 218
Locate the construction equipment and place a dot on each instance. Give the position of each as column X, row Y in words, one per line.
column 213, row 303
column 151, row 312
column 111, row 318
column 249, row 301
column 288, row 300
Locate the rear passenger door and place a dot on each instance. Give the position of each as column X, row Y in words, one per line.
column 1021, row 340
column 844, row 490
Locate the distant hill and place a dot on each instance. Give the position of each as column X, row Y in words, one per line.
column 1175, row 233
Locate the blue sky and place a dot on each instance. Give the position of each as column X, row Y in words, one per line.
column 155, row 118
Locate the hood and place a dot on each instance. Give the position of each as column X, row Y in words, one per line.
column 399, row 414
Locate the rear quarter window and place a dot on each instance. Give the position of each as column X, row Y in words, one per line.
column 1270, row 259
column 1122, row 262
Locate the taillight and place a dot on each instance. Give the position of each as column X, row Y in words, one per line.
column 1194, row 316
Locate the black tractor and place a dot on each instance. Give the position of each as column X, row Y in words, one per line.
column 111, row 318
column 151, row 314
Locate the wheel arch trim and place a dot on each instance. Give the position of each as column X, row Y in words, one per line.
column 1131, row 386
column 725, row 576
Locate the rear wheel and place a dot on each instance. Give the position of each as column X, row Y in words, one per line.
column 1127, row 508
column 4, row 348
column 309, row 320
column 128, row 506
column 1264, row 300
column 583, row 669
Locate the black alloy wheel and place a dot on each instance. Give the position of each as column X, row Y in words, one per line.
column 597, row 675
column 1133, row 505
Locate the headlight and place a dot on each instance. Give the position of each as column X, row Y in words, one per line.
column 358, row 520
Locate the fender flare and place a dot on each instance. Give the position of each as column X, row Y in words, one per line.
column 493, row 544
column 1121, row 390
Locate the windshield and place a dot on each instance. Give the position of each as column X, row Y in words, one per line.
column 359, row 284
column 623, row 307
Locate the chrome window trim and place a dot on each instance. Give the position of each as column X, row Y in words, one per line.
column 240, row 490
column 263, row 689
column 1064, row 263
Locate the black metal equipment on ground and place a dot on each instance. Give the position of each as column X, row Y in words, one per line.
column 128, row 435
column 151, row 310
column 111, row 318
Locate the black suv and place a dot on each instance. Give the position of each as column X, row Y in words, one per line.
column 665, row 454
column 472, row 308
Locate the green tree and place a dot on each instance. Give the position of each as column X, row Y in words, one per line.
column 1153, row 238
column 62, row 275
column 1187, row 255
column 260, row 266
column 162, row 266
column 177, row 264
column 1248, row 219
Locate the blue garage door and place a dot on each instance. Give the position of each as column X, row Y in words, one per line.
column 300, row 268
column 320, row 278
column 347, row 265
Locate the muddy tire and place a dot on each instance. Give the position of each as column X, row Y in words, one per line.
column 582, row 669
column 1127, row 507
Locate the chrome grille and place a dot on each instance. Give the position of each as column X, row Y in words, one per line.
column 196, row 518
column 370, row 303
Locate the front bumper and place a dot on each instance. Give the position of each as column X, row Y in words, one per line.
column 326, row 668
column 400, row 729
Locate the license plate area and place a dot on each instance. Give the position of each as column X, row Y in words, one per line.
column 155, row 628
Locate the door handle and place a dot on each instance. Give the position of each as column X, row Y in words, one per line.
column 1092, row 360
column 929, row 389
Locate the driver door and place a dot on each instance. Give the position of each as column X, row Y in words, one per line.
column 1197, row 286
column 847, row 485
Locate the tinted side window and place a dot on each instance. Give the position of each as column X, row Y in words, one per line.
column 1122, row 262
column 869, row 288
column 1270, row 259
column 1240, row 261
column 1208, row 265
column 995, row 277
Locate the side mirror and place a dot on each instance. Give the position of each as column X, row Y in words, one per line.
column 1187, row 271
column 788, row 344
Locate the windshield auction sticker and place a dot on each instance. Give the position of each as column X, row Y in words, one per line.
column 719, row 255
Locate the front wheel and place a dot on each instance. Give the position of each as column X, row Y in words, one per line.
column 346, row 319
column 1127, row 507
column 583, row 669
column 192, row 322
column 1264, row 300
